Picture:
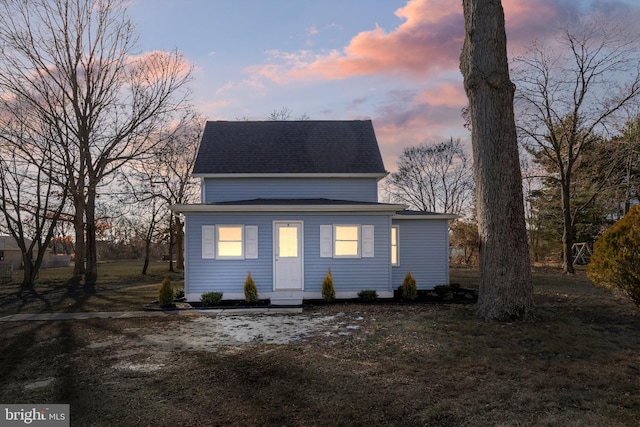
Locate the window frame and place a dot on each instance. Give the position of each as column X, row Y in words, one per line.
column 241, row 241
column 395, row 248
column 358, row 240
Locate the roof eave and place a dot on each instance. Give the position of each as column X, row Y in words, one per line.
column 427, row 216
column 377, row 175
column 286, row 208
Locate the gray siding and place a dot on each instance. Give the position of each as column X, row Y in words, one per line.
column 424, row 250
column 231, row 189
column 204, row 275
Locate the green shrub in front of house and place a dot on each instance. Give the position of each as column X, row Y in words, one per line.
column 328, row 292
column 250, row 290
column 211, row 298
column 368, row 295
column 409, row 287
column 165, row 295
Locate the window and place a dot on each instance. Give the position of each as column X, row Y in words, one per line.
column 346, row 241
column 395, row 253
column 229, row 242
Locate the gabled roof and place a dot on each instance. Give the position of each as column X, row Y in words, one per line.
column 289, row 147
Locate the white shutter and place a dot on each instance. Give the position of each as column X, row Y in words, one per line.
column 326, row 241
column 251, row 242
column 367, row 241
column 208, row 241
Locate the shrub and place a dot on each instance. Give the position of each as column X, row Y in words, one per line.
column 211, row 298
column 615, row 263
column 368, row 295
column 409, row 287
column 328, row 292
column 178, row 294
column 250, row 290
column 165, row 296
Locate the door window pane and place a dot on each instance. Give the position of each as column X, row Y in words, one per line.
column 288, row 241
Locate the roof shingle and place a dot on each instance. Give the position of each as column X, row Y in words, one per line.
column 303, row 147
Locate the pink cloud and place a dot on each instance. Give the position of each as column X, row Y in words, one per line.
column 427, row 42
column 429, row 39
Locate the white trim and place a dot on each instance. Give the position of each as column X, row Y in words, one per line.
column 326, row 241
column 242, row 240
column 397, row 228
column 367, row 232
column 358, row 241
column 251, row 242
column 208, row 237
column 427, row 216
column 379, row 176
column 300, row 252
column 295, row 208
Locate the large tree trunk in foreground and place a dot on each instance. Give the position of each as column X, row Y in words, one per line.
column 505, row 290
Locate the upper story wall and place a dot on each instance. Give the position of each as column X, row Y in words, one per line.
column 233, row 189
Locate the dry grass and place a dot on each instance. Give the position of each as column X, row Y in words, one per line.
column 422, row 364
column 120, row 287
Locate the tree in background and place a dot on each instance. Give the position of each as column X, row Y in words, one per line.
column 30, row 202
column 72, row 63
column 164, row 180
column 505, row 291
column 433, row 178
column 567, row 95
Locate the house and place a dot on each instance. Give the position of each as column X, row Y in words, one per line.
column 289, row 200
column 10, row 253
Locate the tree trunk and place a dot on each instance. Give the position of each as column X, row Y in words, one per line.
column 91, row 269
column 567, row 230
column 505, row 290
column 29, row 272
column 179, row 233
column 79, row 247
column 172, row 242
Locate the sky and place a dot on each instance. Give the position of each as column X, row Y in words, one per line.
column 394, row 62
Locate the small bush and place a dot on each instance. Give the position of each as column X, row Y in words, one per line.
column 250, row 290
column 178, row 294
column 409, row 287
column 328, row 292
column 615, row 263
column 211, row 298
column 165, row 295
column 368, row 295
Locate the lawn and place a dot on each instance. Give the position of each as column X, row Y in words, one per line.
column 384, row 364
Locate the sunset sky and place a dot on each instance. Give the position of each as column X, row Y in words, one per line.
column 392, row 61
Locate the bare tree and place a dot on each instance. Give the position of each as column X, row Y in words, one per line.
column 283, row 114
column 569, row 96
column 72, row 61
column 165, row 179
column 505, row 291
column 30, row 201
column 436, row 178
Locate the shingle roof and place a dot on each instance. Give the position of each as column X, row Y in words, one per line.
column 303, row 147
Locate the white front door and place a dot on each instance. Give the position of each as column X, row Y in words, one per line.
column 287, row 256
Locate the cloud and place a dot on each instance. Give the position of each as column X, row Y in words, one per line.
column 428, row 40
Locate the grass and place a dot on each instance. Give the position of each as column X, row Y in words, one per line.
column 410, row 365
column 120, row 287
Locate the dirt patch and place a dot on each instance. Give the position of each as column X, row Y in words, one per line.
column 148, row 349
